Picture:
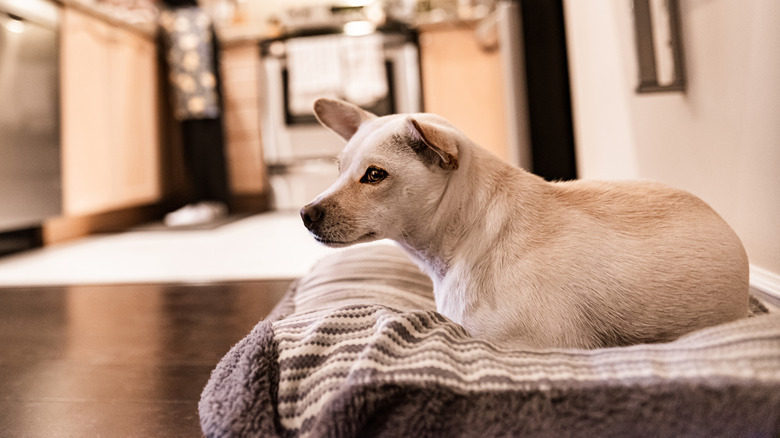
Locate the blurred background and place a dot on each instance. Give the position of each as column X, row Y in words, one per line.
column 154, row 156
column 94, row 156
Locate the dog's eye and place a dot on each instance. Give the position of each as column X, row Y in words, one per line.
column 373, row 175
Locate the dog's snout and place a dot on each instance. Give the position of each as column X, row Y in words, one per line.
column 311, row 215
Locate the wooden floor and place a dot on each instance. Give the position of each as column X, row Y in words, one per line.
column 118, row 361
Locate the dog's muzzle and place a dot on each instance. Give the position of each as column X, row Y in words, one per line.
column 312, row 216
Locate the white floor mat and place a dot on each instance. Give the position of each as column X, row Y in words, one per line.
column 266, row 246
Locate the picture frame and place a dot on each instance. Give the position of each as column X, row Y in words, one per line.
column 659, row 46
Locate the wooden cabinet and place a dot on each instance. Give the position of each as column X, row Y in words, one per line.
column 134, row 109
column 110, row 131
column 240, row 64
column 462, row 82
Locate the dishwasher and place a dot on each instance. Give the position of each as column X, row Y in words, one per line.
column 30, row 188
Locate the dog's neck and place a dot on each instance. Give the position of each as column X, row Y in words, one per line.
column 463, row 224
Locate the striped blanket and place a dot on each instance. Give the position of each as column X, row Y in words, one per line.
column 357, row 349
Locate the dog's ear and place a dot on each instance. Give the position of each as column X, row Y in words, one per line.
column 341, row 117
column 433, row 143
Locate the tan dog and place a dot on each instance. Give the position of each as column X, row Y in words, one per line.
column 521, row 261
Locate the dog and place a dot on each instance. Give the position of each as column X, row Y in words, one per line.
column 518, row 260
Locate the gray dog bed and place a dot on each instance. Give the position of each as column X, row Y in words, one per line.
column 357, row 349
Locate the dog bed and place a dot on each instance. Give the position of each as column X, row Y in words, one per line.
column 356, row 349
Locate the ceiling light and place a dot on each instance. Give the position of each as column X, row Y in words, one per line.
column 358, row 28
column 13, row 24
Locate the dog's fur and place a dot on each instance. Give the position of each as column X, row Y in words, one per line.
column 521, row 261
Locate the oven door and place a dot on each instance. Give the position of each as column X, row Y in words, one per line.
column 299, row 152
column 290, row 137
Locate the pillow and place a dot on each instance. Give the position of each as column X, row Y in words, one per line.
column 356, row 348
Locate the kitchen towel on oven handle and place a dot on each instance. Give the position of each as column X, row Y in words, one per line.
column 336, row 66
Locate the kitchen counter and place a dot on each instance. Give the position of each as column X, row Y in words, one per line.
column 247, row 35
column 139, row 22
column 147, row 26
column 146, row 23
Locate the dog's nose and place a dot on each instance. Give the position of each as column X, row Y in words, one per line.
column 311, row 214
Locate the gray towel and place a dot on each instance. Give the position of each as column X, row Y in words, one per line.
column 341, row 365
column 187, row 33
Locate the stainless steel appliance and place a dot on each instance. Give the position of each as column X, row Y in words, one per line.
column 299, row 152
column 29, row 113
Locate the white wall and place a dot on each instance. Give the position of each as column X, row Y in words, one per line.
column 720, row 140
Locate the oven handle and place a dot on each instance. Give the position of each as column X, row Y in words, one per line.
column 269, row 47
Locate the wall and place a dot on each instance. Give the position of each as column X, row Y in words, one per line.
column 720, row 140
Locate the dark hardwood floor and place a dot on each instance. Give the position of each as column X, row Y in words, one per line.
column 118, row 360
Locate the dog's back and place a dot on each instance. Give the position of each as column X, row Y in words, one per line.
column 673, row 264
column 607, row 263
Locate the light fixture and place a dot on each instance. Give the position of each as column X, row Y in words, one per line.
column 359, row 28
column 356, row 3
column 13, row 23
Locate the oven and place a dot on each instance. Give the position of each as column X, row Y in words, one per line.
column 382, row 76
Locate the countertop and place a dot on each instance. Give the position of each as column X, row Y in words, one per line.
column 145, row 23
column 140, row 22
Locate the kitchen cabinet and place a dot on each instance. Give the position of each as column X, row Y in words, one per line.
column 462, row 82
column 240, row 64
column 110, row 128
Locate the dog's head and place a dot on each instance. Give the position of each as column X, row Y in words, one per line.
column 392, row 174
